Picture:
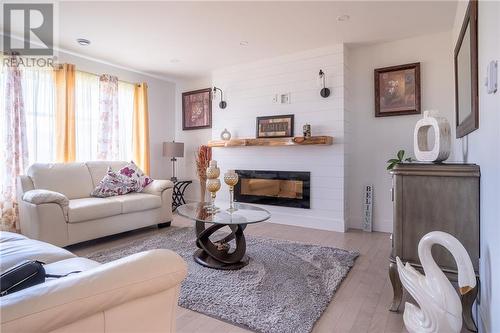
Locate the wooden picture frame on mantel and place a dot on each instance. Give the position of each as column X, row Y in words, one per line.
column 281, row 126
column 197, row 109
column 397, row 90
column 466, row 74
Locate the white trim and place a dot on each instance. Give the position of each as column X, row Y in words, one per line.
column 483, row 325
column 104, row 62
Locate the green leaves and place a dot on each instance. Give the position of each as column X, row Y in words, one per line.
column 400, row 158
column 401, row 154
column 392, row 165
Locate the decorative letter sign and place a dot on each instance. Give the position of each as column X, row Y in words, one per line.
column 367, row 205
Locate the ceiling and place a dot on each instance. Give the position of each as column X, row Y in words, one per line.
column 189, row 39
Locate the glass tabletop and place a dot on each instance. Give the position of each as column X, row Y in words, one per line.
column 244, row 214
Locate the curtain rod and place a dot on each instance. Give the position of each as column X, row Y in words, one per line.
column 79, row 70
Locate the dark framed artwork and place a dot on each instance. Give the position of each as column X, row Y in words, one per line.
column 275, row 126
column 397, row 90
column 466, row 74
column 197, row 109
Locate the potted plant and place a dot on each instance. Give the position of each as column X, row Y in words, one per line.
column 400, row 158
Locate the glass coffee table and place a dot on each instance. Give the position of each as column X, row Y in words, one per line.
column 218, row 254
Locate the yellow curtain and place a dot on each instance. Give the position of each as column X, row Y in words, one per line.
column 65, row 113
column 140, row 135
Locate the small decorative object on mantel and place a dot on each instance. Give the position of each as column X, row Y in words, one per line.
column 225, row 135
column 203, row 157
column 213, row 184
column 196, row 109
column 306, row 129
column 275, row 126
column 440, row 307
column 368, row 208
column 397, row 90
column 324, row 92
column 231, row 179
column 442, row 138
column 223, row 103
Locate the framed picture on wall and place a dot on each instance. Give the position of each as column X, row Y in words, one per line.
column 397, row 90
column 275, row 126
column 197, row 109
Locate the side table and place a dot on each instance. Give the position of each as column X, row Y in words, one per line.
column 178, row 193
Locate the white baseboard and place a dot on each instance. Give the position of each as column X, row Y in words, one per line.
column 309, row 222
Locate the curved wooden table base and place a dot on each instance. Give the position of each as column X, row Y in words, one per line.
column 218, row 254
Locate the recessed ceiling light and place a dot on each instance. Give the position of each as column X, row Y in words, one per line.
column 244, row 43
column 83, row 41
column 174, row 60
column 342, row 18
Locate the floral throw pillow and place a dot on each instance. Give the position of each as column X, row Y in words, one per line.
column 114, row 184
column 133, row 172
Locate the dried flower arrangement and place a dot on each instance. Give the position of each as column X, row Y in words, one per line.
column 203, row 157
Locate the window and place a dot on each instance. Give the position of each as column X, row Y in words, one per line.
column 38, row 89
column 39, row 97
column 126, row 112
column 39, row 104
column 87, row 116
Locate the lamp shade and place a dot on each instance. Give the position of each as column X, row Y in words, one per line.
column 173, row 149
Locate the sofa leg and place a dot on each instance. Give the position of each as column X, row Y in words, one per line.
column 164, row 225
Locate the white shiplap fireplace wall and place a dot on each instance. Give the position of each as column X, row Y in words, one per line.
column 249, row 91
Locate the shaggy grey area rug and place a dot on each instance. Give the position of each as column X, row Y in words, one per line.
column 285, row 288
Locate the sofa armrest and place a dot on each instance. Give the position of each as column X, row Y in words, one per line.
column 60, row 302
column 158, row 186
column 38, row 197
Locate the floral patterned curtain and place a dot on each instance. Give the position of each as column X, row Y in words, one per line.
column 15, row 154
column 108, row 135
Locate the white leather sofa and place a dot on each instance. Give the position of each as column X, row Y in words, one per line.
column 76, row 216
column 138, row 293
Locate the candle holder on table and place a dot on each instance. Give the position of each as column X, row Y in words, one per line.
column 231, row 179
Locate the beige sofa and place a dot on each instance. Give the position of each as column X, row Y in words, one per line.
column 70, row 215
column 138, row 293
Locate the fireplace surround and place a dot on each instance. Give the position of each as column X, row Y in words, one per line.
column 278, row 188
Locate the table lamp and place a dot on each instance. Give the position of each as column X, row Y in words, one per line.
column 173, row 150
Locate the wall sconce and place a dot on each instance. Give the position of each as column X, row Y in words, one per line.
column 324, row 92
column 222, row 103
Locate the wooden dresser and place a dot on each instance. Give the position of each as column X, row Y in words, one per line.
column 429, row 197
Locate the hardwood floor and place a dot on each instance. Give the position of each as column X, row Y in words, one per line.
column 360, row 305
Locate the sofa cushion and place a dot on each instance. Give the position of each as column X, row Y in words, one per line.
column 6, row 236
column 15, row 249
column 134, row 173
column 99, row 169
column 92, row 208
column 71, row 179
column 134, row 202
column 66, row 266
column 114, row 184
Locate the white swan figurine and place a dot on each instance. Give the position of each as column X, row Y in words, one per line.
column 440, row 308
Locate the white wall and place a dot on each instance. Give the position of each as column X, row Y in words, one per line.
column 375, row 140
column 192, row 139
column 482, row 147
column 161, row 103
column 249, row 91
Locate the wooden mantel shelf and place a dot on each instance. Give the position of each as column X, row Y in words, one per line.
column 273, row 142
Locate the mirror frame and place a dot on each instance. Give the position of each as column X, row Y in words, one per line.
column 471, row 123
